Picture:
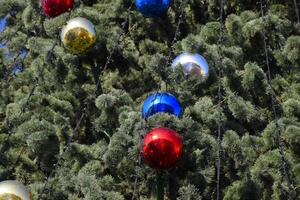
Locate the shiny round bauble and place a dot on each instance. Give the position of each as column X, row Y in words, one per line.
column 53, row 8
column 192, row 64
column 78, row 35
column 152, row 8
column 161, row 102
column 162, row 148
column 13, row 190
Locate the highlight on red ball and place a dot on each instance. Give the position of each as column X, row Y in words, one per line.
column 162, row 148
column 53, row 8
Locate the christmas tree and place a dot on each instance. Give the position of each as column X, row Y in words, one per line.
column 71, row 125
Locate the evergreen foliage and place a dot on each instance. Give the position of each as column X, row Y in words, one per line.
column 41, row 105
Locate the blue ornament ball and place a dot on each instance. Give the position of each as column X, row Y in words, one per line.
column 192, row 64
column 161, row 102
column 152, row 8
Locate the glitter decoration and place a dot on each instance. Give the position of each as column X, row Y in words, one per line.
column 78, row 35
column 8, row 196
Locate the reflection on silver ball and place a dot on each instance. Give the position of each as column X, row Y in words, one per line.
column 192, row 64
column 13, row 190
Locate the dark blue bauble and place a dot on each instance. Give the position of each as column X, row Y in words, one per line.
column 161, row 102
column 152, row 8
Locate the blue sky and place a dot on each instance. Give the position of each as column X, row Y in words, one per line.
column 2, row 27
column 2, row 24
column 17, row 67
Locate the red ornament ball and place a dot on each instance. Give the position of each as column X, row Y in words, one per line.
column 53, row 8
column 162, row 148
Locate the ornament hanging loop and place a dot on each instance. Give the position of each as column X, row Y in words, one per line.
column 160, row 186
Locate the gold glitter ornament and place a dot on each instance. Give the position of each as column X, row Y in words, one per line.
column 13, row 190
column 8, row 196
column 79, row 35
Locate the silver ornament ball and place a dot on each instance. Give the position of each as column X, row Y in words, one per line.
column 192, row 64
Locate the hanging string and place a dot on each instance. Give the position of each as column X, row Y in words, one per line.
column 176, row 35
column 24, row 106
column 103, row 69
column 36, row 80
column 40, row 74
column 22, row 49
column 8, row 38
column 220, row 73
column 137, row 170
column 15, row 60
column 285, row 171
column 41, row 13
column 31, row 93
column 83, row 112
column 296, row 11
column 177, row 31
column 168, row 59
